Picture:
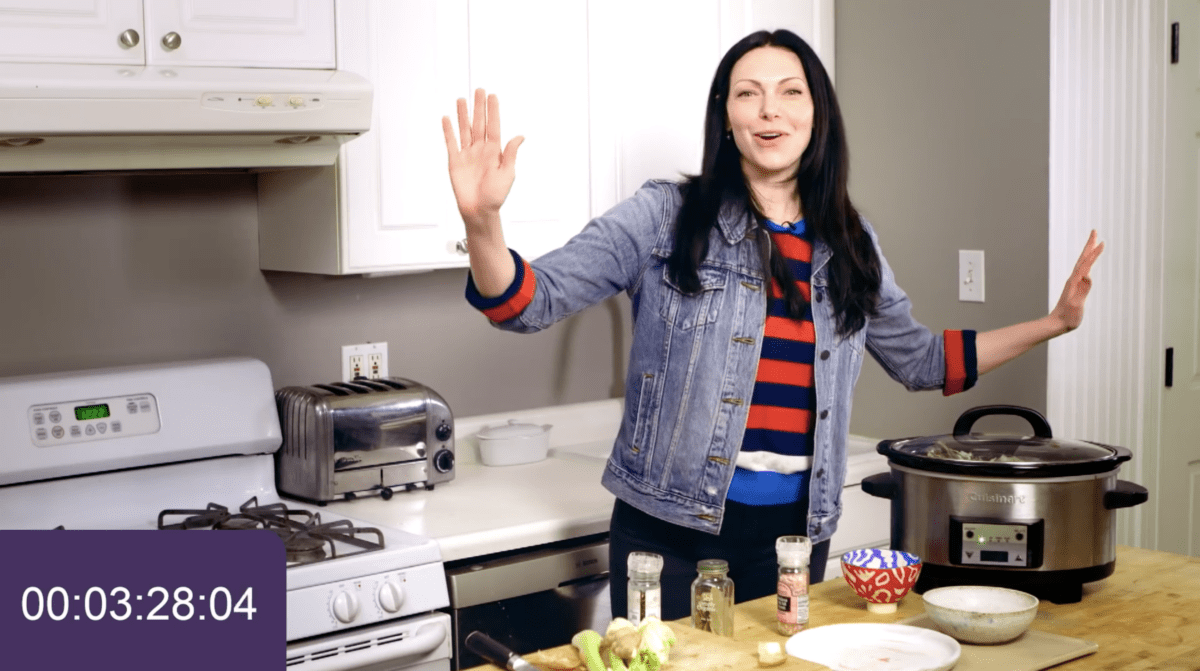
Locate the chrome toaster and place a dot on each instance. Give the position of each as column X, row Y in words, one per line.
column 345, row 439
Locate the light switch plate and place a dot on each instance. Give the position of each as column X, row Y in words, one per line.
column 970, row 275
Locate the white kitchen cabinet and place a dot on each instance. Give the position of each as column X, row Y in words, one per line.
column 607, row 94
column 387, row 207
column 233, row 33
column 72, row 31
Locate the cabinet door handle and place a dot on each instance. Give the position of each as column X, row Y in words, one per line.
column 171, row 41
column 130, row 38
column 461, row 246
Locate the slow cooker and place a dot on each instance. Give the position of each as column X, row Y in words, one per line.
column 1034, row 513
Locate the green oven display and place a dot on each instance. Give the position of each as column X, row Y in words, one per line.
column 86, row 412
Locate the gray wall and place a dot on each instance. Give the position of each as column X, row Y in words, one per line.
column 947, row 109
column 111, row 270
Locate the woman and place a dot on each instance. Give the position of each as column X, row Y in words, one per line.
column 755, row 289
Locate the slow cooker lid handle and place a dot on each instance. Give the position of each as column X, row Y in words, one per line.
column 1041, row 427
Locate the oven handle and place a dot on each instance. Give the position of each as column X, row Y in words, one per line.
column 426, row 640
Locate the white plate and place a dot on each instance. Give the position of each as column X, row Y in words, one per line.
column 877, row 647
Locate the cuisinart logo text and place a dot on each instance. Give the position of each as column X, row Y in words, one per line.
column 995, row 498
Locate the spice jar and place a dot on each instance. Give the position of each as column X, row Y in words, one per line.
column 791, row 591
column 644, row 595
column 712, row 597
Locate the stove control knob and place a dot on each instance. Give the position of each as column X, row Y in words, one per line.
column 443, row 431
column 443, row 461
column 391, row 596
column 345, row 607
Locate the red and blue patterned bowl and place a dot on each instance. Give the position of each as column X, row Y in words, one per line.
column 880, row 576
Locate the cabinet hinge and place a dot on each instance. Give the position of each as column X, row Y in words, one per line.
column 1175, row 42
column 1169, row 376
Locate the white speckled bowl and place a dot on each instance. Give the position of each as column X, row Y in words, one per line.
column 979, row 614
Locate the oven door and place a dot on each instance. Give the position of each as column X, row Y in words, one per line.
column 418, row 643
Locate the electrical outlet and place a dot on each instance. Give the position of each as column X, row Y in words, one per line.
column 970, row 275
column 366, row 360
column 356, row 367
column 376, row 365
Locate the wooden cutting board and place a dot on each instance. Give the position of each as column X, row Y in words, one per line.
column 696, row 650
column 1031, row 651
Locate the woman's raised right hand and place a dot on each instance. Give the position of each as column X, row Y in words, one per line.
column 480, row 173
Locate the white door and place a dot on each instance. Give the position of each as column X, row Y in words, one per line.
column 72, row 31
column 241, row 33
column 1179, row 470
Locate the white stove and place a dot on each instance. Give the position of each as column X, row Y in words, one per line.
column 189, row 446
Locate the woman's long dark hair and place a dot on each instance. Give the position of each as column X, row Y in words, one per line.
column 854, row 269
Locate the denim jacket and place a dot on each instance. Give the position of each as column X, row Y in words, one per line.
column 694, row 357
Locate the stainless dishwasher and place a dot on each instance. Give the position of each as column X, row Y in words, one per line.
column 530, row 599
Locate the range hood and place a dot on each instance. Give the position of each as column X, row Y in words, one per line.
column 85, row 118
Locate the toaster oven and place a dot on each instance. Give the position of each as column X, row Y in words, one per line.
column 364, row 437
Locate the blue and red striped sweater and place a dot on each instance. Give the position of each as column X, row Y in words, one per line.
column 776, row 455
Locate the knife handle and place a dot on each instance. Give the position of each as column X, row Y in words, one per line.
column 489, row 648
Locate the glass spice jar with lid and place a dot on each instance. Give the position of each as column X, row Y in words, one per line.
column 791, row 590
column 644, row 595
column 712, row 597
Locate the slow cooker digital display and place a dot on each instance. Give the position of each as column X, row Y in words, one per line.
column 999, row 543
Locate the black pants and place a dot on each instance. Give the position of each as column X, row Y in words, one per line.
column 746, row 541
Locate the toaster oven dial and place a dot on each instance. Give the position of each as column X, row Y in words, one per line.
column 345, row 607
column 391, row 596
column 443, row 431
column 443, row 461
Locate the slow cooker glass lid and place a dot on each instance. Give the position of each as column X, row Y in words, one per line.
column 1004, row 449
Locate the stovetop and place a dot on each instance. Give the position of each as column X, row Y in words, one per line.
column 306, row 538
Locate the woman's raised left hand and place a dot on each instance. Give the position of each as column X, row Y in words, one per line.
column 1069, row 310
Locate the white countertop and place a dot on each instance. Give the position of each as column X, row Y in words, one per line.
column 488, row 509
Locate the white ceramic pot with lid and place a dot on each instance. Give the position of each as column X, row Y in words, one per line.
column 513, row 443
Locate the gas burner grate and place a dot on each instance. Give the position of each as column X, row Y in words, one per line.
column 305, row 543
column 250, row 515
column 306, row 539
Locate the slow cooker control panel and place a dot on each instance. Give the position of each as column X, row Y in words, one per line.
column 978, row 541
